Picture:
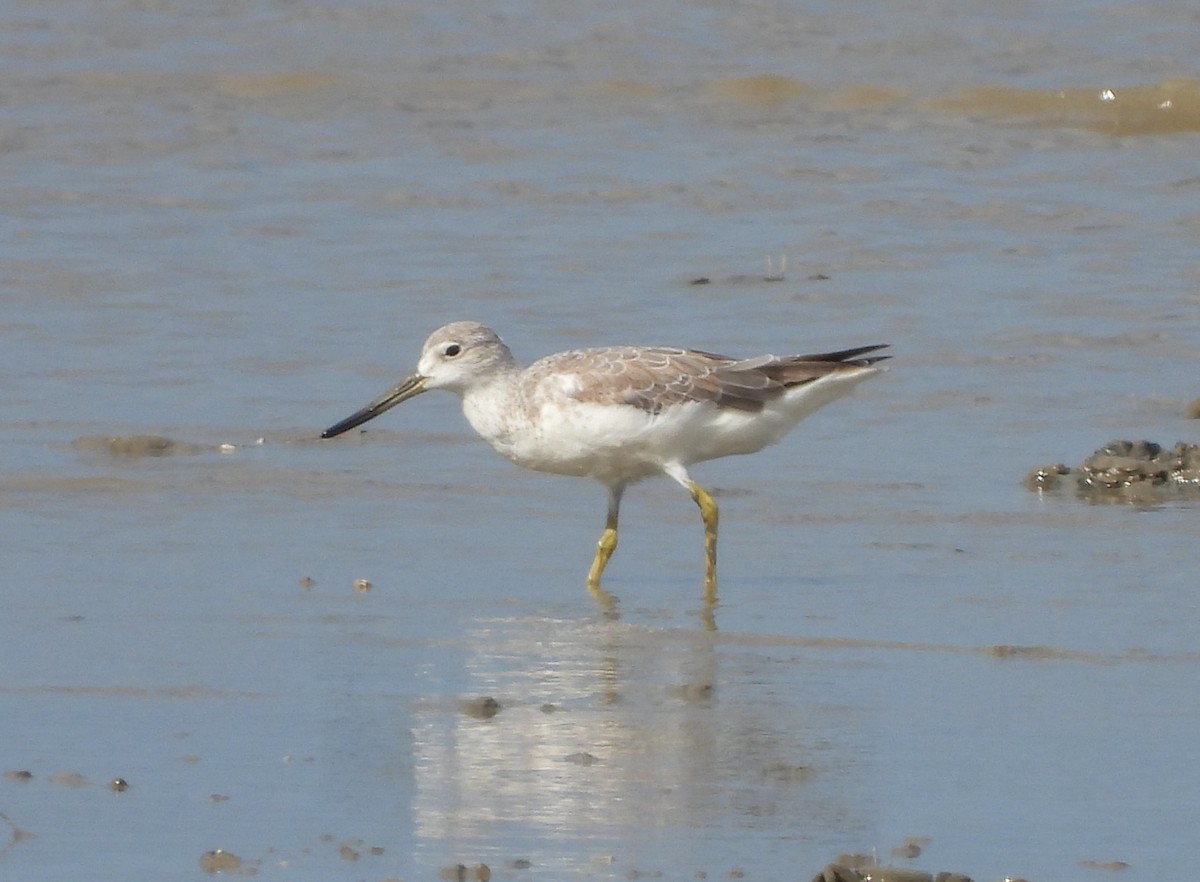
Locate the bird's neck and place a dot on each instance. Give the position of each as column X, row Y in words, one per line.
column 494, row 408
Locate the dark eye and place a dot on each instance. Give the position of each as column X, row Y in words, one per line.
column 452, row 350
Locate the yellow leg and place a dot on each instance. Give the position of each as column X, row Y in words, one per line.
column 605, row 548
column 708, row 512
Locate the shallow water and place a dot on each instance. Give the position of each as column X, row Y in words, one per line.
column 231, row 225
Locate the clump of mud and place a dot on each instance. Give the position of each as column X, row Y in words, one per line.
column 220, row 861
column 134, row 446
column 1126, row 471
column 864, row 868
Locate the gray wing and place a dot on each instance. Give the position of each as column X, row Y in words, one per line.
column 655, row 378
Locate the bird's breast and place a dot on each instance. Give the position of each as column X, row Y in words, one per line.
column 562, row 435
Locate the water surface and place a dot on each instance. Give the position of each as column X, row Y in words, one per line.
column 232, row 225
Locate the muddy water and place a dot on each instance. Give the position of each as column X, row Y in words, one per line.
column 228, row 226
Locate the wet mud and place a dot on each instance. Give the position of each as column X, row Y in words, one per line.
column 1126, row 471
column 463, row 873
column 483, row 708
column 136, row 446
column 866, row 868
column 15, row 833
column 1172, row 105
column 221, row 861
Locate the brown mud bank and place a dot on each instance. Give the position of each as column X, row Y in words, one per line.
column 1126, row 471
column 137, row 446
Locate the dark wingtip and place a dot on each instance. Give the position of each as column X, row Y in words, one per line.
column 850, row 356
column 874, row 358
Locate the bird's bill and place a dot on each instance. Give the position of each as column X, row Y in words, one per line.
column 406, row 389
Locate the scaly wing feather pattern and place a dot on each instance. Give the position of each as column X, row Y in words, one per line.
column 653, row 379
